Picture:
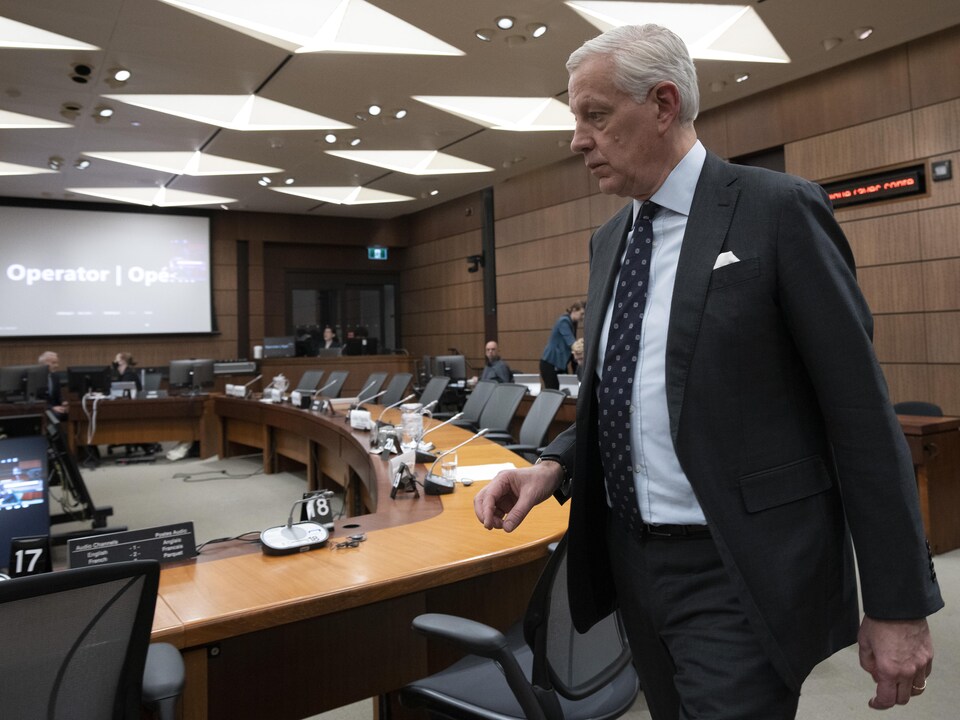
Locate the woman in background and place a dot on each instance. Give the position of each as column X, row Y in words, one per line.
column 330, row 339
column 123, row 369
column 556, row 355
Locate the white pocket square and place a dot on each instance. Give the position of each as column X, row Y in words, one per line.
column 725, row 258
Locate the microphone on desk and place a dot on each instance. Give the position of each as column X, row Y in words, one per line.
column 423, row 452
column 360, row 419
column 360, row 402
column 375, row 435
column 362, row 391
column 294, row 537
column 325, row 405
column 437, row 484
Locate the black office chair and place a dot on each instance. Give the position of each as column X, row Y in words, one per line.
column 396, row 389
column 309, row 381
column 75, row 645
column 541, row 669
column 918, row 407
column 334, row 384
column 371, row 386
column 473, row 407
column 500, row 408
column 536, row 425
column 434, row 389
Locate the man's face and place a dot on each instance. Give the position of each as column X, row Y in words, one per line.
column 620, row 139
column 492, row 352
column 53, row 362
column 327, row 334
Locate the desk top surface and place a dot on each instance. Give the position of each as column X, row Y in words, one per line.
column 203, row 601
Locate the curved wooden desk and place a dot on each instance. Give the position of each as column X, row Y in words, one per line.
column 287, row 637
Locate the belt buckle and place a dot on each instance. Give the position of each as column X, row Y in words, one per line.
column 652, row 531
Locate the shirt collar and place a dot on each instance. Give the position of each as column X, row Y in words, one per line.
column 676, row 193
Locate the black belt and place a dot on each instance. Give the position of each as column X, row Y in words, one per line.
column 672, row 531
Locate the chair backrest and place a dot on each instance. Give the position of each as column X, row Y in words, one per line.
column 536, row 424
column 573, row 664
column 918, row 407
column 502, row 406
column 371, row 386
column 396, row 389
column 477, row 400
column 310, row 380
column 336, row 379
column 75, row 641
column 434, row 390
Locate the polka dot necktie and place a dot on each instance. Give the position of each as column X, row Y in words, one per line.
column 617, row 412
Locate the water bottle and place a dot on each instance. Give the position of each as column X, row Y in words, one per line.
column 411, row 423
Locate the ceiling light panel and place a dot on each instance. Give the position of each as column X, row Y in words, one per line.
column 306, row 26
column 517, row 114
column 342, row 195
column 15, row 34
column 185, row 163
column 161, row 197
column 413, row 162
column 234, row 112
column 16, row 121
column 711, row 32
column 15, row 169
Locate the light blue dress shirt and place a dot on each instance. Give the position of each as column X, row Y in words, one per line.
column 663, row 490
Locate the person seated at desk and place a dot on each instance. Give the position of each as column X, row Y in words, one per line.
column 495, row 368
column 123, row 369
column 330, row 339
column 55, row 400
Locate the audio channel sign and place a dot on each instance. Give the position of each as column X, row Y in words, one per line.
column 167, row 543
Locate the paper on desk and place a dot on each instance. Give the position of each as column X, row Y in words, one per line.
column 482, row 472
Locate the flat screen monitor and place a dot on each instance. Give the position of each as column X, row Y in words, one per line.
column 82, row 273
column 569, row 384
column 24, row 382
column 310, row 380
column 23, row 491
column 83, row 379
column 360, row 346
column 191, row 375
column 20, row 426
column 283, row 346
column 453, row 366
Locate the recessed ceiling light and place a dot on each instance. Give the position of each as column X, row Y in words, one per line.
column 264, row 181
column 55, row 162
column 485, row 34
column 400, row 114
column 289, row 181
column 81, row 164
column 103, row 111
column 135, row 123
column 743, row 77
column 537, row 29
column 374, row 110
column 863, row 33
column 330, row 138
column 505, row 22
column 434, row 192
column 121, row 75
column 355, row 142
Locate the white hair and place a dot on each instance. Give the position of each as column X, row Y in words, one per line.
column 644, row 55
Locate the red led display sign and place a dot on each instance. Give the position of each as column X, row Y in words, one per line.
column 873, row 188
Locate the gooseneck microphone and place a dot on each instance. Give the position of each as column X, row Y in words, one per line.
column 398, row 403
column 360, row 394
column 423, row 450
column 294, row 537
column 316, row 393
column 437, row 484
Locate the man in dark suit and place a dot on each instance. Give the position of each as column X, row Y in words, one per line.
column 734, row 432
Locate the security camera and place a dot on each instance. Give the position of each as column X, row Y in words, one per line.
column 476, row 262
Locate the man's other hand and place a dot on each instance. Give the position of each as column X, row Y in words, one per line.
column 506, row 500
column 898, row 654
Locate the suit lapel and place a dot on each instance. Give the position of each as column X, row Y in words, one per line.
column 710, row 214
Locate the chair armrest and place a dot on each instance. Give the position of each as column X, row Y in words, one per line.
column 163, row 674
column 485, row 641
column 499, row 437
column 528, row 452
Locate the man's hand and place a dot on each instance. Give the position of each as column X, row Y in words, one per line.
column 898, row 654
column 505, row 502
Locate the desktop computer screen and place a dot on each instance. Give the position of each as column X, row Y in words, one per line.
column 23, row 491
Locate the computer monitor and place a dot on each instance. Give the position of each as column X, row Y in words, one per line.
column 83, row 379
column 191, row 375
column 569, row 384
column 24, row 382
column 23, row 491
column 360, row 346
column 123, row 389
column 20, row 426
column 530, row 380
column 283, row 346
column 453, row 366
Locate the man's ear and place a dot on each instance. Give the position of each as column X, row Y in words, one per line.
column 667, row 96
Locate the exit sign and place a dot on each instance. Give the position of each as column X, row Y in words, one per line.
column 376, row 253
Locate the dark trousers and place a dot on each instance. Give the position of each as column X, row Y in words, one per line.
column 695, row 653
column 548, row 374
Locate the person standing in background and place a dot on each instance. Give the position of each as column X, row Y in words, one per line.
column 556, row 355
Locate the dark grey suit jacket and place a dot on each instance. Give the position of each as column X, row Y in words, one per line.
column 779, row 416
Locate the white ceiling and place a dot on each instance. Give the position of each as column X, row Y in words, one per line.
column 172, row 51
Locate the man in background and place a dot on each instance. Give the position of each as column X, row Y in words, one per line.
column 55, row 401
column 495, row 368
